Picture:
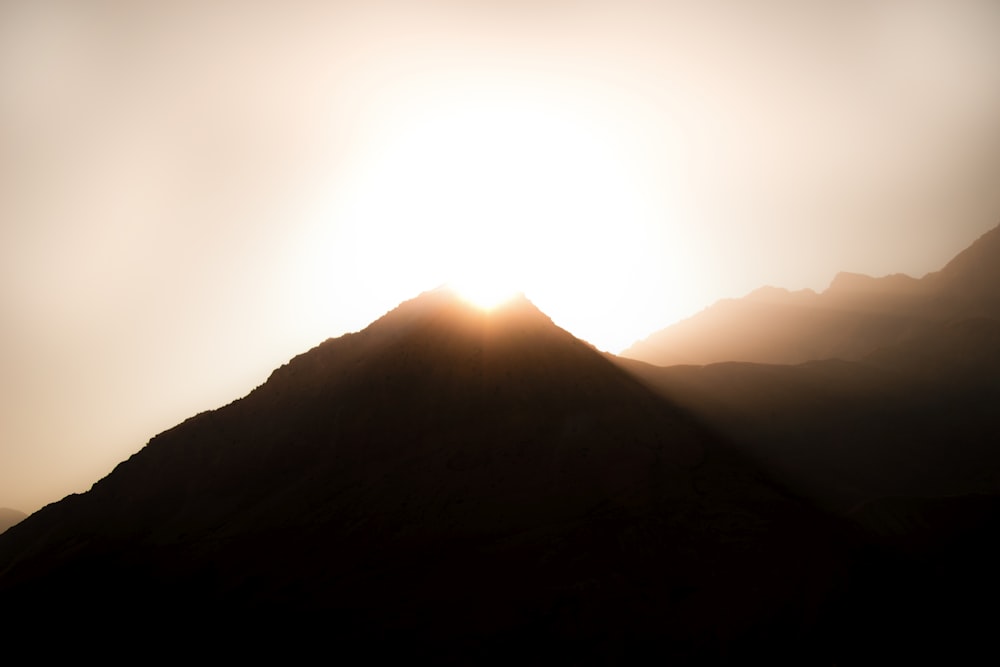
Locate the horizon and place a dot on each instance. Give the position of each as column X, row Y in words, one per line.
column 192, row 196
column 481, row 302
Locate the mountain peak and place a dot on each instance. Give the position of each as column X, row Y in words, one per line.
column 443, row 311
column 448, row 298
column 438, row 336
column 448, row 473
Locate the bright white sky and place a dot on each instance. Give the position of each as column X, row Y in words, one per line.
column 191, row 193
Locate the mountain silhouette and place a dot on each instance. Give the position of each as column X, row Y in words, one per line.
column 909, row 412
column 878, row 402
column 855, row 316
column 912, row 419
column 449, row 485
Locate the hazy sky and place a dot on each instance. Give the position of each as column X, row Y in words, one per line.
column 193, row 192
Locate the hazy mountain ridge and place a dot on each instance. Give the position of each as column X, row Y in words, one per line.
column 853, row 317
column 901, row 440
column 910, row 416
column 472, row 486
column 974, row 274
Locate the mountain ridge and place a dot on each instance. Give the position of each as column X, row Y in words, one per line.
column 853, row 317
column 471, row 484
column 460, row 485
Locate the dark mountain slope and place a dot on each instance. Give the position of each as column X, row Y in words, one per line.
column 904, row 444
column 447, row 485
column 913, row 417
column 9, row 517
column 854, row 317
column 916, row 418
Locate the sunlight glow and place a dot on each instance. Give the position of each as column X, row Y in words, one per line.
column 497, row 191
column 485, row 292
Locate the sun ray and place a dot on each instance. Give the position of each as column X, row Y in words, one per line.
column 484, row 291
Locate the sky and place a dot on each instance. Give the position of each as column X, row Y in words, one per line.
column 192, row 193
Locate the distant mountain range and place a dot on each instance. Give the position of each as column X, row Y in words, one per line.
column 456, row 486
column 854, row 317
column 883, row 410
column 908, row 410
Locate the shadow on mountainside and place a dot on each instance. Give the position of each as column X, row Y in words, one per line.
column 451, row 486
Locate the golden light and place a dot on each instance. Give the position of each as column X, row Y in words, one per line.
column 484, row 295
column 497, row 190
column 485, row 281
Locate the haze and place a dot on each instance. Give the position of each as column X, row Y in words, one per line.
column 189, row 196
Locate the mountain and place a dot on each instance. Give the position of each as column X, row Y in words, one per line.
column 876, row 400
column 854, row 317
column 972, row 278
column 9, row 517
column 897, row 393
column 912, row 419
column 447, row 485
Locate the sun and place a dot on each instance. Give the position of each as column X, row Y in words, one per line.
column 497, row 190
column 487, row 265
column 485, row 292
